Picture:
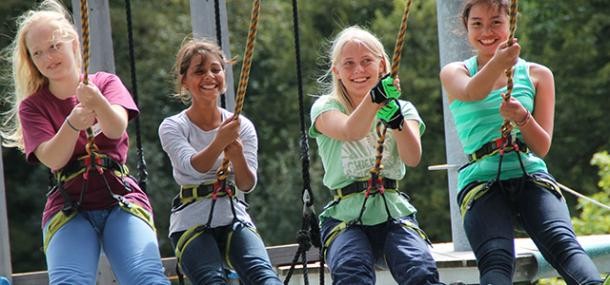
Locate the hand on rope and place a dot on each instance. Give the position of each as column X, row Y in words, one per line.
column 80, row 118
column 391, row 115
column 400, row 40
column 507, row 54
column 509, row 50
column 385, row 90
column 223, row 171
column 89, row 95
column 512, row 110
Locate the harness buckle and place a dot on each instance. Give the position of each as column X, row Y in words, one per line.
column 374, row 182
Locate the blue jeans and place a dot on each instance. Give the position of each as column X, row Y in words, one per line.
column 203, row 258
column 129, row 243
column 542, row 214
column 352, row 255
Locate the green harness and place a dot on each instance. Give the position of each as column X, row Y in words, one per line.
column 85, row 165
column 500, row 146
column 378, row 187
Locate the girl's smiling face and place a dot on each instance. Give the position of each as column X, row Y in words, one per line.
column 205, row 77
column 488, row 27
column 358, row 68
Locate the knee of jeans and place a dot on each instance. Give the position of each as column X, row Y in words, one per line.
column 353, row 263
column 146, row 273
column 205, row 275
column 561, row 241
column 70, row 276
column 261, row 274
column 496, row 254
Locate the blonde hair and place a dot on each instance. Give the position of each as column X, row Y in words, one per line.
column 353, row 33
column 26, row 78
column 188, row 50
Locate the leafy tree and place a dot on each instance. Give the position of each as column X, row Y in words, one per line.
column 594, row 219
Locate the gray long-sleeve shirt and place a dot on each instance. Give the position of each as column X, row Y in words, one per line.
column 181, row 139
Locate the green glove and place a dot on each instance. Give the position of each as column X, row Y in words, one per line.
column 384, row 90
column 391, row 115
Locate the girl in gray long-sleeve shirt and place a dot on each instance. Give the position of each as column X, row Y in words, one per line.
column 209, row 227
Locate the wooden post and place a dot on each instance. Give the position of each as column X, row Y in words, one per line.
column 452, row 47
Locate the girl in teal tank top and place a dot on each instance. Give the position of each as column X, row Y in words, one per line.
column 501, row 185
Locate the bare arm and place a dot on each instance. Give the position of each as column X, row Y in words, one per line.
column 408, row 142
column 56, row 152
column 537, row 131
column 354, row 126
column 459, row 85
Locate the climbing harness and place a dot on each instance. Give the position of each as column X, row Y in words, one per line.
column 376, row 184
column 495, row 146
column 93, row 162
column 84, row 166
column 472, row 192
column 223, row 171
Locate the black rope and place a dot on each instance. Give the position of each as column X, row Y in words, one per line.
column 141, row 164
column 310, row 230
column 223, row 101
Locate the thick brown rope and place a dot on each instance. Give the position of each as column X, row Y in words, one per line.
column 84, row 20
column 222, row 172
column 507, row 127
column 400, row 40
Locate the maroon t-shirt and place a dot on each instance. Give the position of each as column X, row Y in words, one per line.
column 42, row 114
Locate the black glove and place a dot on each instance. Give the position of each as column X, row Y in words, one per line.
column 391, row 115
column 384, row 90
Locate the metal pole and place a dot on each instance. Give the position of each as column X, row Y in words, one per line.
column 452, row 47
column 5, row 246
column 203, row 21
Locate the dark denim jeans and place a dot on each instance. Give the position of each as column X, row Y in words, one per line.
column 203, row 259
column 489, row 226
column 354, row 252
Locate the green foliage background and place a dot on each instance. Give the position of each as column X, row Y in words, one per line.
column 571, row 37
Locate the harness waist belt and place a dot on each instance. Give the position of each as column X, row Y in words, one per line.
column 360, row 186
column 203, row 190
column 494, row 146
column 78, row 166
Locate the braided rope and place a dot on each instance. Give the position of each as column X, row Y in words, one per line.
column 222, row 172
column 84, row 16
column 507, row 127
column 400, row 40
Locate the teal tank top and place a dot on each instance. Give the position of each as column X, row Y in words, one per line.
column 479, row 122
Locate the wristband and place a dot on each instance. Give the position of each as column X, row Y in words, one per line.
column 72, row 126
column 524, row 120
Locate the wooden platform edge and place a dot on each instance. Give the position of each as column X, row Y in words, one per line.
column 449, row 263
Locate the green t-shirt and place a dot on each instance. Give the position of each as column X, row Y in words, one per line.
column 479, row 122
column 348, row 161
